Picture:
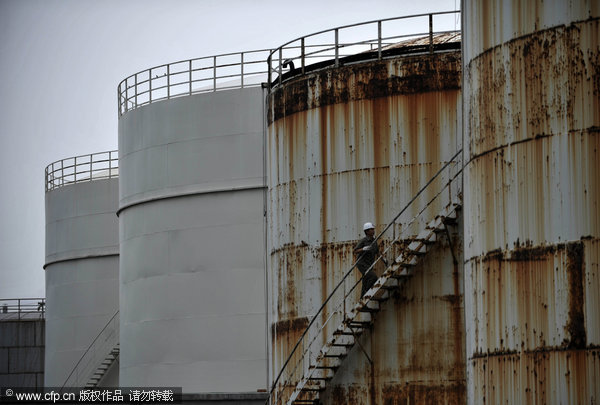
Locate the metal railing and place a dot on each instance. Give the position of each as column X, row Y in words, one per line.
column 17, row 309
column 192, row 76
column 96, row 166
column 443, row 188
column 97, row 351
column 362, row 41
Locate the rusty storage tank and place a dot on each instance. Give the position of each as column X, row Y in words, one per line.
column 81, row 267
column 352, row 138
column 532, row 143
column 191, row 226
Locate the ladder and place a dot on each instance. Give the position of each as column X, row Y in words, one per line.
column 93, row 364
column 362, row 316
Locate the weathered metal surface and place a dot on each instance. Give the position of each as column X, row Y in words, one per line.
column 409, row 75
column 436, row 39
column 347, row 146
column 416, row 344
column 541, row 191
column 532, row 330
column 533, row 298
column 532, row 138
column 561, row 377
column 487, row 24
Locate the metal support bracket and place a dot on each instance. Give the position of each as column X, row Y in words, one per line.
column 357, row 340
column 454, row 260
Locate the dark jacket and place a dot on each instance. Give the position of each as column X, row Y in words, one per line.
column 367, row 258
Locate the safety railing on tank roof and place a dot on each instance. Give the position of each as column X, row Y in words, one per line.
column 96, row 166
column 96, row 352
column 192, row 76
column 442, row 189
column 17, row 309
column 371, row 40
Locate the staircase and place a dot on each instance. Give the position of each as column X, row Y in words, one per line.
column 362, row 316
column 336, row 327
column 103, row 367
column 94, row 363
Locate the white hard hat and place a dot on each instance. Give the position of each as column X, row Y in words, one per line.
column 368, row 225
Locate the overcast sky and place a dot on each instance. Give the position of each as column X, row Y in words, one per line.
column 61, row 61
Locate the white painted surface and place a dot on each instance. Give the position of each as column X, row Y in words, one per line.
column 192, row 244
column 82, row 271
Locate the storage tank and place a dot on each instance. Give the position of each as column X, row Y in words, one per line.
column 353, row 139
column 532, row 113
column 82, row 264
column 191, row 217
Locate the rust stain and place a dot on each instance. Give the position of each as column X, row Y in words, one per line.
column 542, row 189
column 292, row 325
column 532, row 326
column 341, row 395
column 324, row 206
column 563, row 377
column 365, row 138
column 575, row 272
column 404, row 394
column 370, row 80
column 516, row 86
column 417, row 344
column 522, row 298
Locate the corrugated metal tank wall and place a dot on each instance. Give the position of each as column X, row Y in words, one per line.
column 82, row 271
column 192, row 243
column 346, row 146
column 532, row 233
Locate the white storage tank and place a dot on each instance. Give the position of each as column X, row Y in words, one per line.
column 532, row 233
column 191, row 227
column 82, row 262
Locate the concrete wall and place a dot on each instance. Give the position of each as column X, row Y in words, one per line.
column 22, row 354
column 192, row 244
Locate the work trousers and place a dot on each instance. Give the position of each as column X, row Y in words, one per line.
column 368, row 280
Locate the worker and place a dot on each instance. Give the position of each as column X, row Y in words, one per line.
column 367, row 251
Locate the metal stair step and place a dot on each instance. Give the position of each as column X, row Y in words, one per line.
column 400, row 276
column 359, row 324
column 418, row 252
column 336, row 356
column 326, row 367
column 319, row 378
column 362, row 315
column 404, row 261
column 342, row 344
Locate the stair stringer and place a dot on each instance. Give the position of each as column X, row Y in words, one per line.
column 343, row 340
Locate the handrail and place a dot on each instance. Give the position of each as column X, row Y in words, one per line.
column 111, row 338
column 192, row 76
column 22, row 308
column 347, row 274
column 95, row 166
column 299, row 51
